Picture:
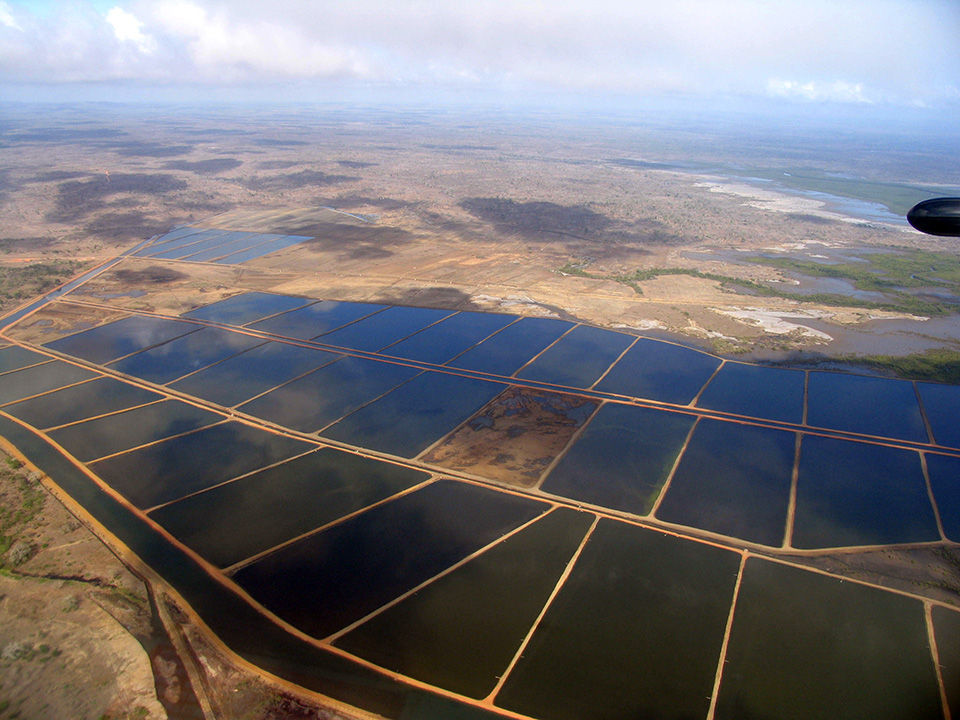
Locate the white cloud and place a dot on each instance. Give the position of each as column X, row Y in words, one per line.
column 836, row 91
column 7, row 19
column 126, row 28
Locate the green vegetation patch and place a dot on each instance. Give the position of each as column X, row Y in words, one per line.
column 17, row 283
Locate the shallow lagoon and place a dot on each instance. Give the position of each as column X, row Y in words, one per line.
column 325, row 395
column 329, row 580
column 733, row 480
column 313, row 320
column 416, row 414
column 508, row 350
column 756, row 391
column 240, row 519
column 243, row 376
column 579, row 358
column 170, row 469
column 807, row 646
column 622, row 458
column 461, row 631
column 855, row 493
column 660, row 371
column 635, row 631
column 104, row 436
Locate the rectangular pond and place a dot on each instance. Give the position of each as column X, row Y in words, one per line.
column 861, row 404
column 450, row 337
column 756, row 391
column 236, row 521
column 578, row 358
column 514, row 346
column 97, row 397
column 804, row 645
column 308, row 322
column 244, row 243
column 941, row 403
column 384, row 328
column 246, row 308
column 622, row 458
column 415, row 415
column 635, row 632
column 183, row 251
column 660, row 371
column 461, row 631
column 261, row 250
column 325, row 395
column 733, row 480
column 944, row 475
column 177, row 239
column 184, row 355
column 183, row 465
column 946, row 625
column 14, row 357
column 329, row 580
column 243, row 376
column 855, row 493
column 38, row 379
column 111, row 434
column 124, row 337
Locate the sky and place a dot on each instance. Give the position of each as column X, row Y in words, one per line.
column 855, row 53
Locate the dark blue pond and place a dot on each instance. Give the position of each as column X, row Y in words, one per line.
column 317, row 319
column 660, row 371
column 511, row 348
column 578, row 358
column 79, row 402
column 756, row 391
column 416, row 414
column 325, row 395
column 384, row 328
column 15, row 358
column 622, row 458
column 183, row 465
column 854, row 493
column 241, row 377
column 942, row 406
column 448, row 338
column 38, row 379
column 104, row 436
column 869, row 405
column 329, row 580
column 185, row 355
column 246, row 308
column 733, row 480
column 945, row 483
column 124, row 337
column 240, row 519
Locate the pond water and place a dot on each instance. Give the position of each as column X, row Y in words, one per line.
column 863, row 649
column 246, row 308
column 941, row 404
column 177, row 239
column 579, row 358
column 186, row 249
column 461, row 631
column 946, row 625
column 38, row 379
column 511, row 348
column 171, row 469
column 415, row 415
column 450, row 337
column 184, row 355
column 243, row 376
column 622, row 458
column 236, row 521
column 660, row 371
column 945, row 483
column 16, row 358
column 107, row 435
column 854, row 493
column 250, row 240
column 634, row 632
column 121, row 338
column 733, row 480
column 384, row 328
column 97, row 397
column 261, row 250
column 756, row 391
column 316, row 319
column 329, row 580
column 325, row 395
column 861, row 404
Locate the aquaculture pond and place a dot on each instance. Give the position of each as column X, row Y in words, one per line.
column 428, row 513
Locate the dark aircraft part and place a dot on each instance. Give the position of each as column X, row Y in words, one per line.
column 940, row 216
